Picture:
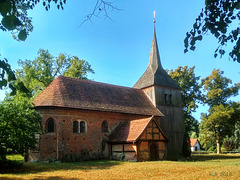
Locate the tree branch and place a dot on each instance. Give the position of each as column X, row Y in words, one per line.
column 100, row 6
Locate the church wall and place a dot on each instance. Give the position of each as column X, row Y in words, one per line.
column 143, row 153
column 64, row 145
column 150, row 136
column 168, row 101
column 173, row 126
column 174, row 100
column 150, row 92
column 125, row 152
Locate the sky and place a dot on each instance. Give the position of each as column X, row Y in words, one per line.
column 118, row 48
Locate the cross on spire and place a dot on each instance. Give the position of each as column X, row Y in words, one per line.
column 155, row 74
column 154, row 17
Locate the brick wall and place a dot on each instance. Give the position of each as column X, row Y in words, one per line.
column 64, row 145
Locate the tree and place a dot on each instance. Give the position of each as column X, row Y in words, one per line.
column 233, row 142
column 15, row 19
column 19, row 126
column 220, row 18
column 186, row 147
column 78, row 68
column 8, row 78
column 218, row 88
column 15, row 16
column 216, row 125
column 191, row 94
column 236, row 119
column 6, row 74
column 39, row 73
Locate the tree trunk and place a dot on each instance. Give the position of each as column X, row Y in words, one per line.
column 218, row 147
column 26, row 155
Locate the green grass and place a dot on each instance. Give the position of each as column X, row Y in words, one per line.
column 202, row 166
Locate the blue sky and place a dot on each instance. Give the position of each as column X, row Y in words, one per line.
column 118, row 49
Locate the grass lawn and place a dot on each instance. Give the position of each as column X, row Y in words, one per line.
column 205, row 166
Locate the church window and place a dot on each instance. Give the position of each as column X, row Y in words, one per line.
column 168, row 99
column 79, row 126
column 75, row 126
column 50, row 125
column 104, row 127
column 165, row 98
column 83, row 127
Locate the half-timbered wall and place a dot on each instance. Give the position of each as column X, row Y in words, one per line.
column 152, row 144
column 126, row 152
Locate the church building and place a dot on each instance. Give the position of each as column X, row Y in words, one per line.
column 88, row 120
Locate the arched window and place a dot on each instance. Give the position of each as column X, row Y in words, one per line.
column 82, row 127
column 75, row 126
column 104, row 127
column 50, row 125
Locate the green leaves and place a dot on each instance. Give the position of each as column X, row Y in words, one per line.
column 19, row 125
column 218, row 17
column 191, row 93
column 221, row 117
column 5, row 7
column 5, row 69
column 22, row 35
column 218, row 88
column 3, row 83
column 217, row 123
column 10, row 22
column 15, row 15
column 39, row 73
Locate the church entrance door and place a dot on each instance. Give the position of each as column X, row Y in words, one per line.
column 154, row 152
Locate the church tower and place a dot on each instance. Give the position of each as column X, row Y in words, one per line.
column 165, row 94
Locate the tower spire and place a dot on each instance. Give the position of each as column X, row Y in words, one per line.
column 155, row 74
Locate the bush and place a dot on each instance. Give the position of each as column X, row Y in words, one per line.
column 212, row 149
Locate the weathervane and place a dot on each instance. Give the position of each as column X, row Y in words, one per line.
column 154, row 17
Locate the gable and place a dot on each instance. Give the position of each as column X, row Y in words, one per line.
column 129, row 131
column 91, row 95
column 141, row 129
column 193, row 141
column 153, row 132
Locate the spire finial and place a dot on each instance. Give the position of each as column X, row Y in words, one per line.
column 154, row 17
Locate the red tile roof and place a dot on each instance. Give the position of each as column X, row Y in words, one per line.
column 193, row 141
column 129, row 131
column 91, row 95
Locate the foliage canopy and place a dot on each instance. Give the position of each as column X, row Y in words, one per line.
column 218, row 88
column 220, row 120
column 190, row 94
column 19, row 126
column 39, row 73
column 221, row 19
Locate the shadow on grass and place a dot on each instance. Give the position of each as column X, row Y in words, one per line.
column 45, row 178
column 35, row 168
column 210, row 157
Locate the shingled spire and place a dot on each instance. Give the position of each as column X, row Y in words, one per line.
column 155, row 74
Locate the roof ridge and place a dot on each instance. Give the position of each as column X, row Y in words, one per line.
column 86, row 94
column 97, row 82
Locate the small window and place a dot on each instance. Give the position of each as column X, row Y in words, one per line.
column 82, row 127
column 75, row 126
column 168, row 99
column 50, row 125
column 104, row 127
column 165, row 98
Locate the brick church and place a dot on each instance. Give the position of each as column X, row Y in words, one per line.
column 87, row 120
